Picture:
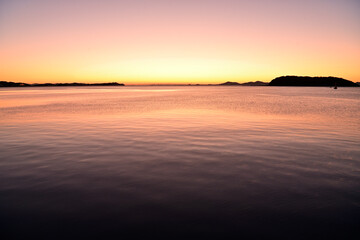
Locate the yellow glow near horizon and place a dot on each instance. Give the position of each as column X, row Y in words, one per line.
column 171, row 70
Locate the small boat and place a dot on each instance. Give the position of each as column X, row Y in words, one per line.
column 335, row 87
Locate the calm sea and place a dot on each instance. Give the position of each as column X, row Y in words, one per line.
column 179, row 162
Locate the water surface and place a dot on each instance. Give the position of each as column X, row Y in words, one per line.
column 180, row 162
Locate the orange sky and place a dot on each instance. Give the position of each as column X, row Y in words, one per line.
column 161, row 41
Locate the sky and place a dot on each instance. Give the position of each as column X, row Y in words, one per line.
column 185, row 41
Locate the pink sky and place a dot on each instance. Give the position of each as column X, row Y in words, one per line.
column 139, row 42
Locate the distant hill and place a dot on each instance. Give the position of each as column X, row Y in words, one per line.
column 257, row 83
column 311, row 81
column 13, row 84
column 230, row 84
column 19, row 84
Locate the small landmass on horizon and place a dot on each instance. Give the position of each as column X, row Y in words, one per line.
column 257, row 83
column 306, row 81
column 20, row 84
column 299, row 81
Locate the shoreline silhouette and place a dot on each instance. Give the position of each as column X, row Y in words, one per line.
column 306, row 81
column 21, row 84
column 290, row 81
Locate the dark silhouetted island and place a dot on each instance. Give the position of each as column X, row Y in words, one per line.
column 257, row 83
column 229, row 84
column 19, row 84
column 305, row 81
